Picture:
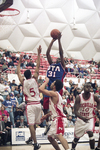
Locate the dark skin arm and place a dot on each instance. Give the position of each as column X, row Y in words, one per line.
column 76, row 108
column 48, row 52
column 98, row 102
column 61, row 51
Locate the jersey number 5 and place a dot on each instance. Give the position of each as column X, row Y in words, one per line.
column 32, row 92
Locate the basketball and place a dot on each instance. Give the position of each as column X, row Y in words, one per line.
column 54, row 33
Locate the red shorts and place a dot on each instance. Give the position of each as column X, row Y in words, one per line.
column 46, row 103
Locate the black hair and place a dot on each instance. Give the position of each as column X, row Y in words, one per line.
column 58, row 85
column 27, row 74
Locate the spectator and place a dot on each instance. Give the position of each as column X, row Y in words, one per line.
column 9, row 108
column 68, row 109
column 10, row 64
column 97, row 122
column 2, row 60
column 40, row 80
column 4, row 66
column 6, row 91
column 22, row 123
column 19, row 112
column 7, row 53
column 70, row 100
column 13, row 83
column 8, row 128
column 30, row 63
column 14, row 101
column 66, row 85
column 1, row 100
column 3, row 112
column 70, row 122
column 3, row 132
column 19, row 98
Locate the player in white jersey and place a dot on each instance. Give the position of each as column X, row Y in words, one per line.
column 84, row 110
column 98, row 146
column 32, row 99
column 58, row 117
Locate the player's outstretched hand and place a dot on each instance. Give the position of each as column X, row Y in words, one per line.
column 39, row 49
column 59, row 36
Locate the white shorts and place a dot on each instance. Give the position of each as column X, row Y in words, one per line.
column 81, row 127
column 57, row 127
column 33, row 113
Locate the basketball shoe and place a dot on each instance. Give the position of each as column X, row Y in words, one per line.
column 97, row 148
column 29, row 141
column 36, row 146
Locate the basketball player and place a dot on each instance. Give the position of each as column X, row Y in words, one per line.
column 98, row 146
column 56, row 130
column 55, row 71
column 84, row 110
column 32, row 99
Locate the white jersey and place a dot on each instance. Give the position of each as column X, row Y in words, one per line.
column 56, row 109
column 30, row 90
column 86, row 108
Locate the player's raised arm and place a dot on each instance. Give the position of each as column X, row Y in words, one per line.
column 18, row 69
column 48, row 52
column 61, row 50
column 36, row 74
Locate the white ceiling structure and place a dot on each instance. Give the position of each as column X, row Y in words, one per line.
column 78, row 20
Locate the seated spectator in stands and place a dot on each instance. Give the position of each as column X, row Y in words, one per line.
column 8, row 128
column 9, row 108
column 1, row 100
column 40, row 80
column 73, row 116
column 78, row 91
column 19, row 98
column 3, row 132
column 13, row 83
column 1, row 52
column 75, row 71
column 85, row 72
column 70, row 66
column 2, row 60
column 4, row 66
column 92, row 61
column 64, row 99
column 91, row 70
column 97, row 122
column 66, row 60
column 23, row 64
column 14, row 101
column 26, row 56
column 70, row 100
column 30, row 63
column 71, row 60
column 73, row 89
column 95, row 85
column 16, row 91
column 3, row 112
column 22, row 123
column 19, row 112
column 13, row 58
column 98, row 64
column 70, row 122
column 7, row 53
column 6, row 91
column 66, row 85
column 10, row 63
column 17, row 55
column 68, row 109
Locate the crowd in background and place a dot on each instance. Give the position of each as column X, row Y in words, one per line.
column 11, row 94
